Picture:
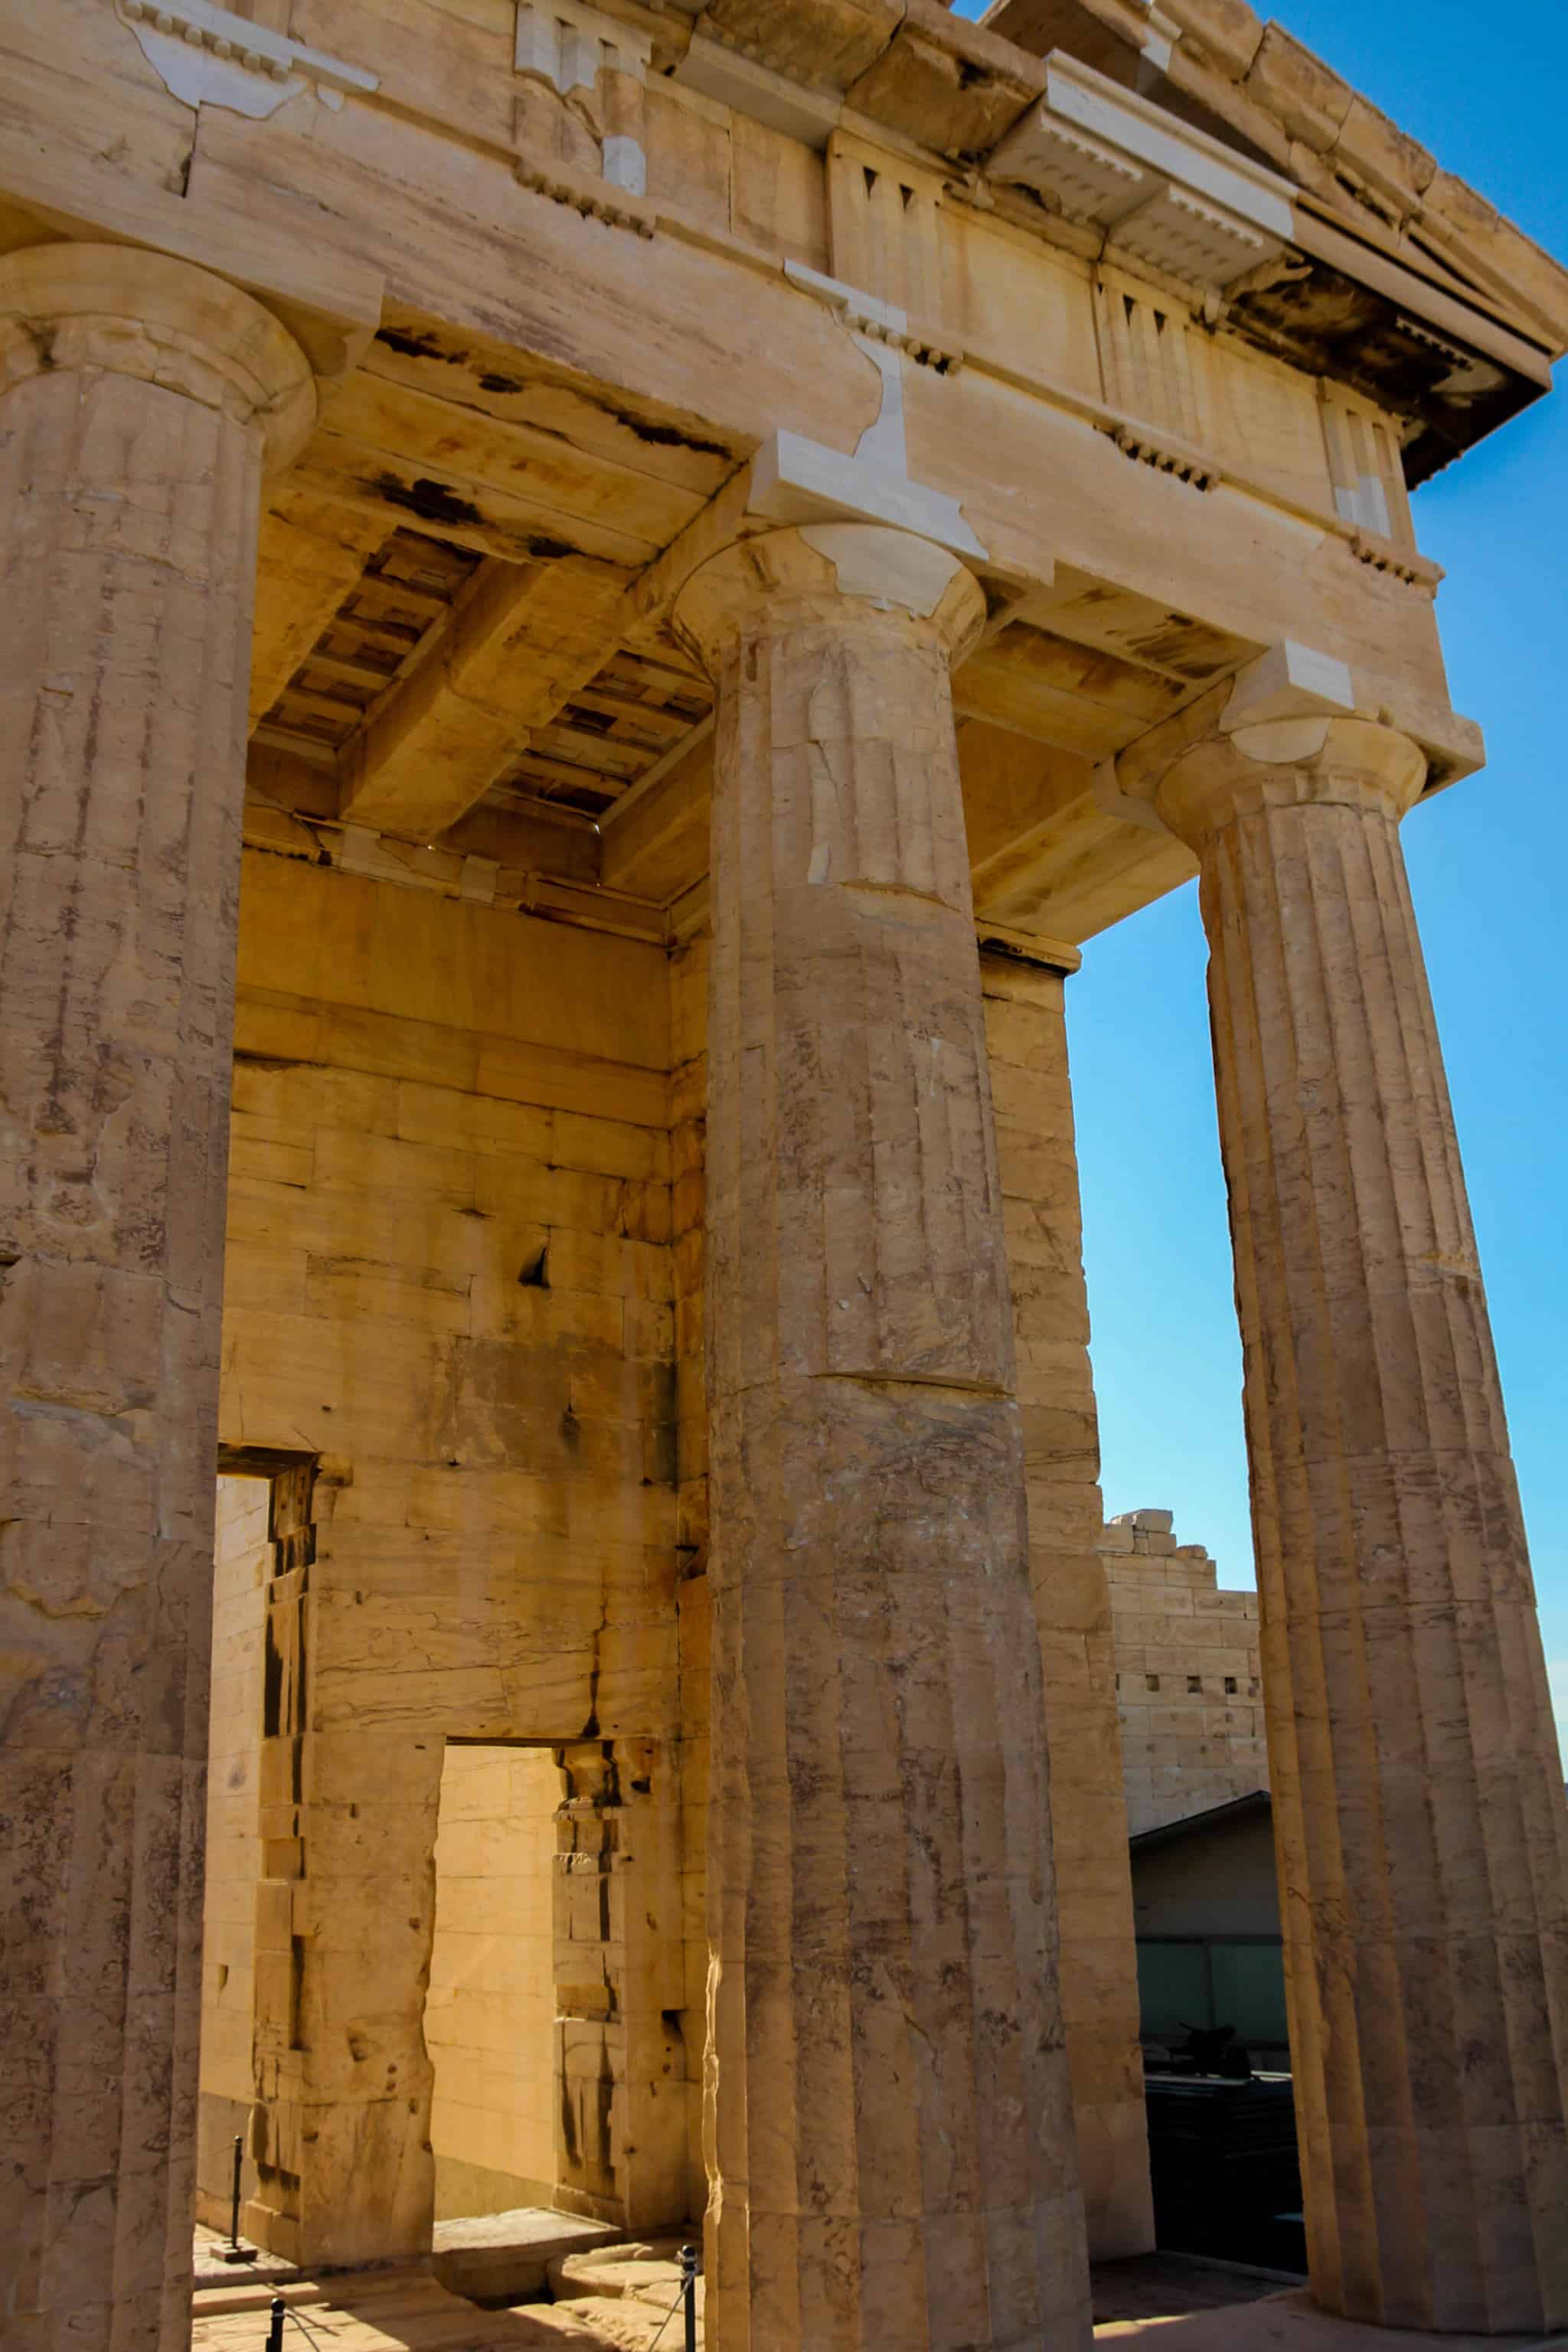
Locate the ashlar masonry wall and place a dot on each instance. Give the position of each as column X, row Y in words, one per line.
column 450, row 1279
column 466, row 1278
column 1188, row 1677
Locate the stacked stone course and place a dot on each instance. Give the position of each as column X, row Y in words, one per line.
column 1188, row 1674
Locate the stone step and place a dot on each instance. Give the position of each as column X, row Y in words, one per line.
column 413, row 2314
column 624, row 2323
column 614, row 2270
column 502, row 2258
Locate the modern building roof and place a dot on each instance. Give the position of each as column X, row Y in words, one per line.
column 1256, row 1805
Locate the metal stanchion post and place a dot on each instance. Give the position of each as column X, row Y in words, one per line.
column 275, row 2332
column 688, row 2294
column 235, row 2252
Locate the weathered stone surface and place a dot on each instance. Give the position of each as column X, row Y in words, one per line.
column 622, row 2269
column 1025, row 1036
column 450, row 1275
column 1189, row 1675
column 1292, row 2322
column 135, row 400
column 467, row 1226
column 892, row 2144
column 1418, row 1798
column 492, row 2255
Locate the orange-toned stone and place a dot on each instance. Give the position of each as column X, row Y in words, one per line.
column 139, row 400
column 1418, row 1799
column 891, row 2148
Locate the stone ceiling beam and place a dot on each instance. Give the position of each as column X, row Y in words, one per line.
column 516, row 523
column 523, row 640
column 659, row 846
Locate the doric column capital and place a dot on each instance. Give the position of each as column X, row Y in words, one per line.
column 1289, row 764
column 784, row 581
column 1285, row 733
column 121, row 310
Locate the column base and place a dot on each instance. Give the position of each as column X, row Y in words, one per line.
column 1292, row 2322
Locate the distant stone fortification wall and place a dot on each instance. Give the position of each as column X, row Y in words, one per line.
column 1188, row 1687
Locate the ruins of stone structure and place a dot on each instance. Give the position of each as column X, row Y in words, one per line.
column 1189, row 1675
column 599, row 600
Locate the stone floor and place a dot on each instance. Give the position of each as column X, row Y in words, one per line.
column 393, row 2311
column 213, row 2267
column 609, row 2296
column 1154, row 2289
column 1289, row 2321
column 615, row 2299
column 507, row 2258
column 619, row 2299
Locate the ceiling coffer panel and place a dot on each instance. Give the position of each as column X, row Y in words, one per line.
column 399, row 605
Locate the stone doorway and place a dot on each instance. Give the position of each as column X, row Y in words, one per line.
column 490, row 2011
column 552, row 2014
column 262, row 1553
column 241, row 1564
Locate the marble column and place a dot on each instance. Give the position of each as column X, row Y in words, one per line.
column 890, row 2142
column 1422, row 1840
column 140, row 401
column 1025, row 1035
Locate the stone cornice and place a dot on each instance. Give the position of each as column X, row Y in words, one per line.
column 1333, row 142
column 1343, row 203
column 957, row 89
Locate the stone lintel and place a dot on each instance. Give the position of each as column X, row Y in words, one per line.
column 330, row 305
column 1027, row 949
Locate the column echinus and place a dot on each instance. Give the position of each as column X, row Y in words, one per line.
column 140, row 401
column 1418, row 1801
column 889, row 2136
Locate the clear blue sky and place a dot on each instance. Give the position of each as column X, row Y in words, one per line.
column 1488, row 863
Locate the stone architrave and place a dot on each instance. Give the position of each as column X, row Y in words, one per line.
column 141, row 401
column 1418, row 1800
column 890, row 2141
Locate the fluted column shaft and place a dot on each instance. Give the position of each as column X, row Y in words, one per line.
column 1422, row 1840
column 137, row 400
column 890, row 2139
